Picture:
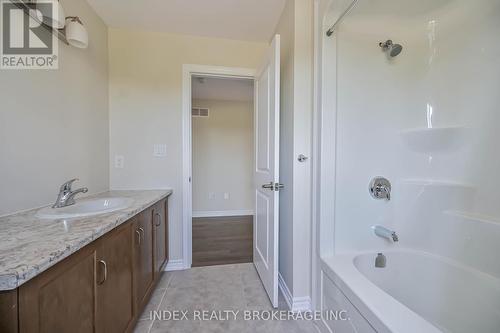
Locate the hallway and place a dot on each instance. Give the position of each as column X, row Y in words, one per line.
column 219, row 288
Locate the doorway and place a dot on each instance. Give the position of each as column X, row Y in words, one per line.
column 266, row 185
column 222, row 139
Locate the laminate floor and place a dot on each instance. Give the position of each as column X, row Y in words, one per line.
column 222, row 240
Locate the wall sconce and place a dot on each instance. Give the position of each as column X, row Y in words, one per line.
column 76, row 34
column 57, row 18
column 69, row 30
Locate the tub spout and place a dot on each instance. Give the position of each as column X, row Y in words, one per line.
column 385, row 233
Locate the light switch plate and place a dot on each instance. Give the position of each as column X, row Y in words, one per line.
column 119, row 161
column 160, row 150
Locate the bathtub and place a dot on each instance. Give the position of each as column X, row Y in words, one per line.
column 416, row 292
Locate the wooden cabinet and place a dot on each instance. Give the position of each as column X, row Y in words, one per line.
column 8, row 311
column 103, row 287
column 62, row 298
column 160, row 225
column 143, row 257
column 114, row 310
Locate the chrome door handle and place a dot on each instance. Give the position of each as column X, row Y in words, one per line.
column 139, row 234
column 103, row 263
column 159, row 219
column 302, row 158
column 273, row 186
column 269, row 186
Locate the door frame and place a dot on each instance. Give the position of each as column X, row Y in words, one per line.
column 188, row 70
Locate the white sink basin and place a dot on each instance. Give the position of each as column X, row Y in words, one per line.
column 85, row 207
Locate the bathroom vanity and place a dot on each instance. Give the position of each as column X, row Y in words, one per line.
column 90, row 274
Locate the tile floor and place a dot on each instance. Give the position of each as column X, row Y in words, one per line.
column 228, row 287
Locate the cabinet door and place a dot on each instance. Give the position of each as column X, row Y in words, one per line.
column 160, row 219
column 8, row 311
column 62, row 298
column 114, row 311
column 143, row 258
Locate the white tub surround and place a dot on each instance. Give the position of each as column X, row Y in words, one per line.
column 30, row 245
column 426, row 119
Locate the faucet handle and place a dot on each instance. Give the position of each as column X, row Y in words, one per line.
column 380, row 188
column 66, row 187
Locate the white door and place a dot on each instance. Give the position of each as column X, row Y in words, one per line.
column 266, row 178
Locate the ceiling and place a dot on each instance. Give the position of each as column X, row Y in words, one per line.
column 222, row 89
column 249, row 20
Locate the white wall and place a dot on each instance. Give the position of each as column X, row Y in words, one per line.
column 146, row 106
column 54, row 123
column 223, row 156
column 296, row 30
column 427, row 120
column 286, row 29
column 302, row 140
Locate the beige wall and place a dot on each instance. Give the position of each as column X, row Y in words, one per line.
column 54, row 123
column 296, row 30
column 146, row 106
column 223, row 156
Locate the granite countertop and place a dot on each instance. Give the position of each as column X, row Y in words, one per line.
column 30, row 245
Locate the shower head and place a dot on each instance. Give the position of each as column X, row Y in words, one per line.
column 392, row 49
column 395, row 50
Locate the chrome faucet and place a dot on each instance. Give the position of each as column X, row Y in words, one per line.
column 66, row 196
column 385, row 233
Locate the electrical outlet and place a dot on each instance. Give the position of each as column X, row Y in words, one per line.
column 160, row 150
column 119, row 161
column 211, row 195
column 226, row 196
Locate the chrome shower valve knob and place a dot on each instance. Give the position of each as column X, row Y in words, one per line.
column 380, row 188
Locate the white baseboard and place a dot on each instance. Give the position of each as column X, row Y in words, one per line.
column 295, row 304
column 218, row 213
column 175, row 265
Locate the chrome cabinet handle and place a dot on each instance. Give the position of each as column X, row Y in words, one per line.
column 139, row 234
column 142, row 232
column 159, row 219
column 103, row 263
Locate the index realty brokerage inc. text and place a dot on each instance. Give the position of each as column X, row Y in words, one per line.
column 228, row 315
